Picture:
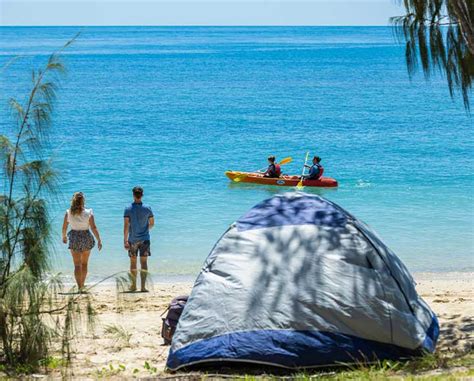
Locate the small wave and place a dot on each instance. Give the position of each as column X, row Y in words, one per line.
column 363, row 184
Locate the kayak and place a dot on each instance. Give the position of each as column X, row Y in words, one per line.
column 284, row 180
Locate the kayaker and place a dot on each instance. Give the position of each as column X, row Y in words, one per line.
column 273, row 170
column 316, row 170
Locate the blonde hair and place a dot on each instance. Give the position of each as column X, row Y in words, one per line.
column 77, row 203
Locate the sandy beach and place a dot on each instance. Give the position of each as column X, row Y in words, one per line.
column 180, row 122
column 140, row 352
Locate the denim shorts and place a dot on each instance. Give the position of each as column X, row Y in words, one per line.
column 141, row 248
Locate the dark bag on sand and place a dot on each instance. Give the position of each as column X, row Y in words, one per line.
column 174, row 311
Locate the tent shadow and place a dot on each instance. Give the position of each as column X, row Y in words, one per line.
column 272, row 272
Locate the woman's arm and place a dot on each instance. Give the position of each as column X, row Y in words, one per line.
column 95, row 231
column 65, row 224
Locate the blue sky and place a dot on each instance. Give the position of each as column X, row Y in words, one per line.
column 197, row 12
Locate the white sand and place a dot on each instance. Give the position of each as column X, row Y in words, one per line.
column 450, row 295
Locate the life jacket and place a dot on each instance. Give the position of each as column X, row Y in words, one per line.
column 319, row 174
column 274, row 170
column 321, row 171
column 277, row 170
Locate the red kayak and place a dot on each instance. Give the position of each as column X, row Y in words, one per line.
column 283, row 181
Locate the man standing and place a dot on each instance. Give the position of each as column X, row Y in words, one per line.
column 138, row 221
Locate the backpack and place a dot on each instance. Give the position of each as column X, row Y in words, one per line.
column 174, row 311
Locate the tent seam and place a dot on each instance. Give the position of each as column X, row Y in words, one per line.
column 380, row 280
column 387, row 266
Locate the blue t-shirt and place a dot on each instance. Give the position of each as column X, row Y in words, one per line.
column 138, row 215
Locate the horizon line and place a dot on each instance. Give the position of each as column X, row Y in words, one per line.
column 198, row 25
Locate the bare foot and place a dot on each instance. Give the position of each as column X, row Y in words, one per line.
column 82, row 290
column 143, row 290
column 132, row 289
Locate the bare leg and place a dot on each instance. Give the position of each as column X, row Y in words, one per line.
column 76, row 257
column 84, row 263
column 133, row 273
column 143, row 273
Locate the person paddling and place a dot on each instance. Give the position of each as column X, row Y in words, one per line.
column 316, row 170
column 273, row 170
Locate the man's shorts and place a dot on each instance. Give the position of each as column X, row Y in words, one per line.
column 141, row 248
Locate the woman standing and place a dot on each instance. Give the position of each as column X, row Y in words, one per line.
column 81, row 240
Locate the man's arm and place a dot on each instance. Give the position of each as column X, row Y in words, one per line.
column 126, row 225
column 151, row 222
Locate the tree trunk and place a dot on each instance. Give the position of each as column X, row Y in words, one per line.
column 5, row 338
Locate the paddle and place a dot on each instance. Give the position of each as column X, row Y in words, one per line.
column 238, row 178
column 286, row 160
column 300, row 183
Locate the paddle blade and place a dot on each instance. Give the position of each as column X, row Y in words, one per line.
column 300, row 185
column 286, row 160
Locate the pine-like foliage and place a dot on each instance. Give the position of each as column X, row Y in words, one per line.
column 439, row 35
column 32, row 316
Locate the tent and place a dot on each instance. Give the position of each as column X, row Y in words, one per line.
column 299, row 282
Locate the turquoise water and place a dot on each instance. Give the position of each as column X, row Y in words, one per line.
column 173, row 108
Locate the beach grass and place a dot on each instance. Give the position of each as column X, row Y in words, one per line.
column 429, row 367
column 119, row 333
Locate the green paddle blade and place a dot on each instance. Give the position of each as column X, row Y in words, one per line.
column 300, row 185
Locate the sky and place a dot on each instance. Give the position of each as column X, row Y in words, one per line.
column 197, row 12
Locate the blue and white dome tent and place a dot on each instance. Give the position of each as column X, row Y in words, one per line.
column 299, row 282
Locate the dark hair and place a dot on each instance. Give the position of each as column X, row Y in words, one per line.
column 138, row 192
column 77, row 203
column 317, row 158
column 271, row 158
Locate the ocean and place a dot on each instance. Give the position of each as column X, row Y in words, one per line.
column 172, row 108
